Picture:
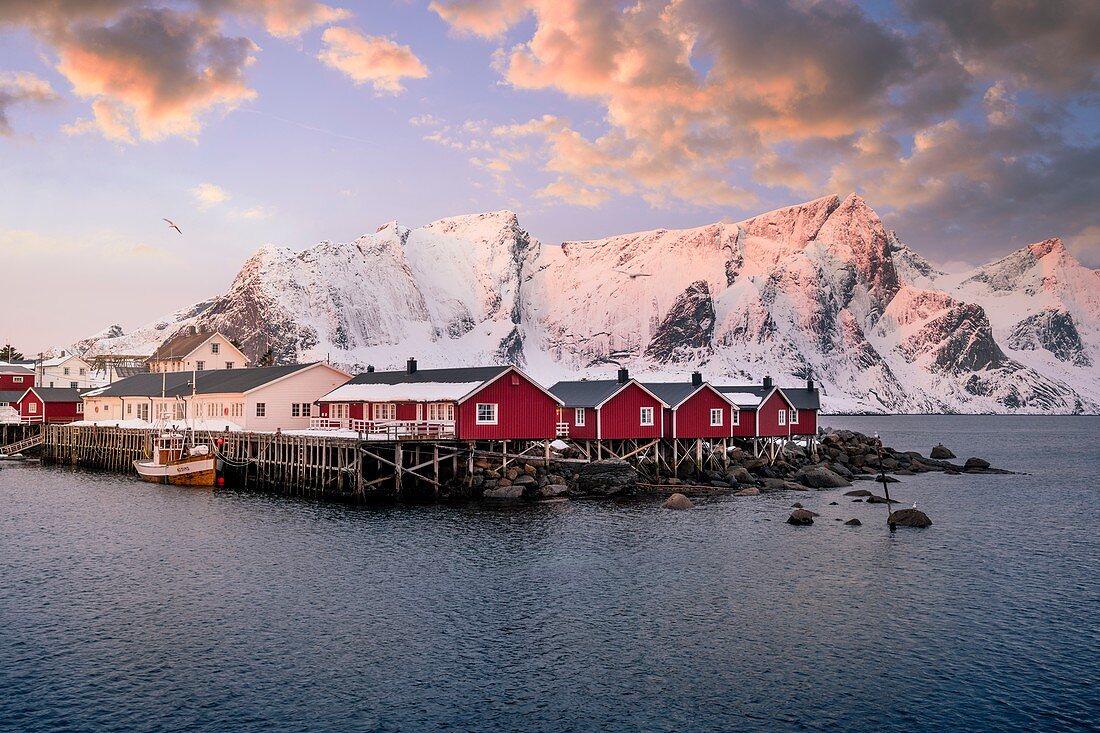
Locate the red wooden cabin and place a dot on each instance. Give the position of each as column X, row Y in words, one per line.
column 807, row 404
column 15, row 377
column 696, row 409
column 469, row 403
column 611, row 409
column 765, row 411
column 51, row 405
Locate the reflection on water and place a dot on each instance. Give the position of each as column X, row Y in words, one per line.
column 128, row 606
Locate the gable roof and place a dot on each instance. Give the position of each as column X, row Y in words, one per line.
column 214, row 381
column 677, row 393
column 59, row 360
column 17, row 369
column 595, row 392
column 11, row 395
column 751, row 396
column 56, row 394
column 803, row 398
column 423, row 385
column 180, row 345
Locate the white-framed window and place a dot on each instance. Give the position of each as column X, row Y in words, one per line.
column 261, row 409
column 143, row 411
column 306, row 409
column 65, row 371
column 794, row 417
column 129, row 409
column 782, row 417
column 578, row 417
column 339, row 411
column 83, row 372
column 200, row 365
column 444, row 411
column 382, row 411
column 645, row 416
column 238, row 409
column 79, row 408
column 736, row 414
column 180, row 411
column 295, row 410
column 486, row 413
column 228, row 365
column 17, row 380
column 716, row 416
column 214, row 347
column 32, row 407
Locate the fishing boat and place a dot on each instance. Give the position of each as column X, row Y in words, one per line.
column 174, row 462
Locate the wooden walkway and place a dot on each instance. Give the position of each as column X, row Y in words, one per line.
column 21, row 445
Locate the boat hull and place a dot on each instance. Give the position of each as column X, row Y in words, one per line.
column 190, row 472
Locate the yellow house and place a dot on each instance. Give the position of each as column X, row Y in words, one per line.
column 194, row 350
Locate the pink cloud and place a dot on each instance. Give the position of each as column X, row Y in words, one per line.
column 373, row 60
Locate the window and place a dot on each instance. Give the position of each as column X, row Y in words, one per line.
column 65, row 371
column 381, row 411
column 486, row 413
column 74, row 385
column 129, row 409
column 339, row 411
column 214, row 347
column 794, row 417
column 143, row 412
column 79, row 408
column 736, row 416
column 180, row 411
column 51, row 384
column 295, row 410
column 17, row 380
column 646, row 416
column 306, row 408
column 32, row 407
column 83, row 372
column 716, row 417
column 200, row 365
column 782, row 417
column 578, row 417
column 261, row 409
column 228, row 365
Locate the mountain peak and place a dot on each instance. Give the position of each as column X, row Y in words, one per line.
column 1040, row 250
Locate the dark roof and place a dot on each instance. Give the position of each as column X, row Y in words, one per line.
column 673, row 393
column 456, row 375
column 15, row 369
column 802, row 398
column 58, row 394
column 587, row 392
column 179, row 346
column 11, row 395
column 128, row 371
column 213, row 381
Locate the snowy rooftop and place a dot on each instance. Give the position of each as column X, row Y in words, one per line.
column 409, row 392
column 743, row 399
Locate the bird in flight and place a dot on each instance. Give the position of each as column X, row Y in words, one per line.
column 172, row 225
column 633, row 275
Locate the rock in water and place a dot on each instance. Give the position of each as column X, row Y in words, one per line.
column 819, row 477
column 607, row 478
column 941, row 452
column 853, row 523
column 751, row 491
column 910, row 518
column 880, row 500
column 800, row 518
column 979, row 463
column 857, row 492
column 678, row 501
column 504, row 492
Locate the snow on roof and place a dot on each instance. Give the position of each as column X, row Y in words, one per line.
column 743, row 399
column 408, row 392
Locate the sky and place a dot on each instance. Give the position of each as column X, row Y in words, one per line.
column 972, row 128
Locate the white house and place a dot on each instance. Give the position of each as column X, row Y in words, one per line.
column 262, row 399
column 198, row 351
column 66, row 370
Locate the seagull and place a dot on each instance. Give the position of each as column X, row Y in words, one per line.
column 914, row 505
column 172, row 225
column 633, row 275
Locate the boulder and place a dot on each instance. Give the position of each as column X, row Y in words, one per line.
column 524, row 479
column 853, row 523
column 832, row 503
column 883, row 478
column 910, row 518
column 751, row 491
column 880, row 500
column 741, row 475
column 607, row 478
column 819, row 477
column 975, row 463
column 857, row 492
column 719, row 484
column 551, row 490
column 504, row 492
column 857, row 501
column 800, row 518
column 796, row 505
column 941, row 452
column 678, row 501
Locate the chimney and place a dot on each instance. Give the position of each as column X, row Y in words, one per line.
column 370, row 367
column 810, row 385
column 194, row 330
column 767, row 382
column 696, row 379
column 410, row 366
column 624, row 376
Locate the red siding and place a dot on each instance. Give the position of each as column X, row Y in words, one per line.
column 620, row 416
column 8, row 383
column 524, row 412
column 746, row 425
column 583, row 432
column 768, row 413
column 693, row 416
column 807, row 423
column 54, row 412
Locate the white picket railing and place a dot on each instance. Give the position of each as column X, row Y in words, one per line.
column 387, row 429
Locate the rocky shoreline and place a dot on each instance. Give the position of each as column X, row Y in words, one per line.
column 843, row 457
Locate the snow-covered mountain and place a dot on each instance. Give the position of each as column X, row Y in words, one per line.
column 816, row 290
